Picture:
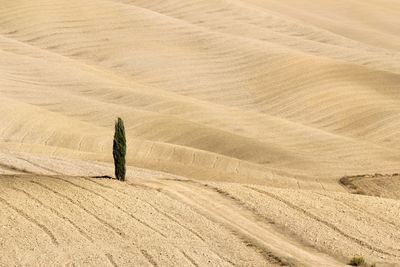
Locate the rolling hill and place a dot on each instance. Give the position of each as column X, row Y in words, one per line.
column 242, row 116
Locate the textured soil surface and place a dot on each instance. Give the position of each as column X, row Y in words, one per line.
column 241, row 116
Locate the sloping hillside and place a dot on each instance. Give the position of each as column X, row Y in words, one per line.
column 173, row 221
column 280, row 98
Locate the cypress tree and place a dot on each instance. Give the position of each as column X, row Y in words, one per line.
column 119, row 149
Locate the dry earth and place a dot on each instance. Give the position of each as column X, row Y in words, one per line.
column 241, row 118
column 379, row 185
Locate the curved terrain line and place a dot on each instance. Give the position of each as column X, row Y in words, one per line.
column 182, row 225
column 358, row 208
column 242, row 204
column 149, row 258
column 159, row 211
column 162, row 213
column 173, row 197
column 328, row 224
column 58, row 214
column 235, row 199
column 114, row 229
column 114, row 205
column 32, row 220
column 13, row 168
column 230, row 197
column 174, row 220
column 111, row 260
column 239, row 202
column 109, row 71
column 247, row 240
column 189, row 258
column 39, row 166
column 177, row 222
column 151, row 205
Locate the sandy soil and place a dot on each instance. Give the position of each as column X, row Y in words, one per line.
column 241, row 118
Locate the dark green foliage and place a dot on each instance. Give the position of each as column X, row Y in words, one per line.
column 357, row 261
column 119, row 150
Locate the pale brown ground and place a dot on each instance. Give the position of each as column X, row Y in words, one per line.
column 262, row 104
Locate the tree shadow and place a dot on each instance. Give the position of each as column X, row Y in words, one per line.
column 102, row 177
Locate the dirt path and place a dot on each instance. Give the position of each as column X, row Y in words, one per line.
column 276, row 248
column 168, row 221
